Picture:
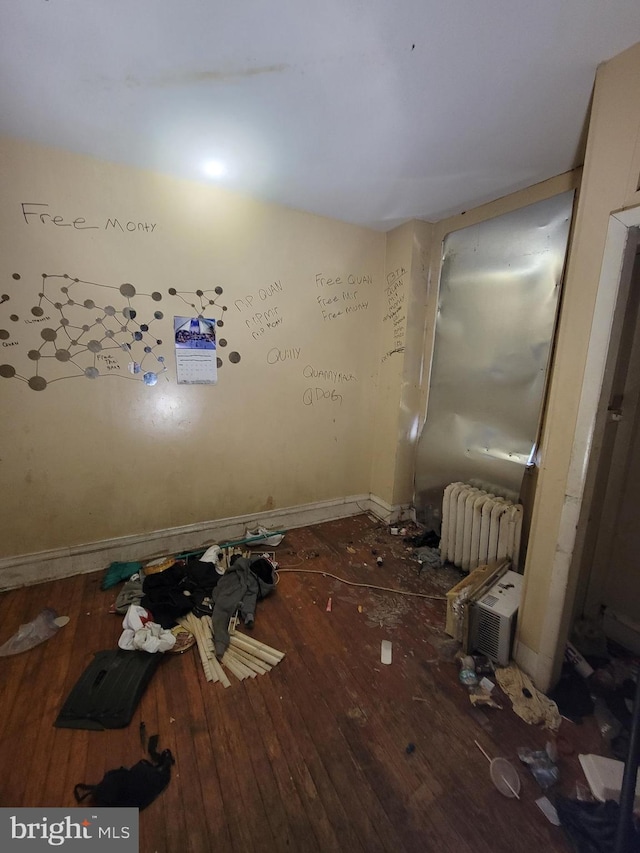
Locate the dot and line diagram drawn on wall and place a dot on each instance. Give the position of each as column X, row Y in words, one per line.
column 85, row 329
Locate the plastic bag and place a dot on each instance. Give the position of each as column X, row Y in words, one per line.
column 44, row 626
column 544, row 770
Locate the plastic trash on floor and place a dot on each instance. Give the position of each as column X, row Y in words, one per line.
column 541, row 765
column 43, row 627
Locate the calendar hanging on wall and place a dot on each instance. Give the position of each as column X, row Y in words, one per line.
column 195, row 345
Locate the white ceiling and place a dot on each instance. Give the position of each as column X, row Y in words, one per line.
column 370, row 111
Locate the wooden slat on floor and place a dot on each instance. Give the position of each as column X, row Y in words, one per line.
column 313, row 756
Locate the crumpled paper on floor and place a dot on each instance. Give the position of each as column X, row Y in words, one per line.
column 528, row 703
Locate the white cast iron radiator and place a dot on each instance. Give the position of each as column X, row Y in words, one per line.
column 478, row 527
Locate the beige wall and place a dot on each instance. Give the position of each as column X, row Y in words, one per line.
column 610, row 183
column 290, row 423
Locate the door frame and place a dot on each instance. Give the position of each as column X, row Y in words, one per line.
column 567, row 578
column 616, row 430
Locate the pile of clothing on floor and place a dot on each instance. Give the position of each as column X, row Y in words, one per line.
column 211, row 583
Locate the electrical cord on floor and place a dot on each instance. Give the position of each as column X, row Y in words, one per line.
column 365, row 585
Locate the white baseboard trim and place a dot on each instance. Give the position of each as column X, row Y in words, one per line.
column 28, row 569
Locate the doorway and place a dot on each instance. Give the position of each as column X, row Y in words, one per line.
column 581, row 518
column 610, row 570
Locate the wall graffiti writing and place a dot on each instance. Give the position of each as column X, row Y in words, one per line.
column 349, row 296
column 310, row 372
column 391, row 352
column 340, row 281
column 395, row 316
column 263, row 321
column 313, row 396
column 246, row 303
column 108, row 361
column 276, row 355
column 34, row 212
column 333, row 314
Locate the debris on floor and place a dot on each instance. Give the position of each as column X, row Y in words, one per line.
column 108, row 691
column 543, row 768
column 428, row 557
column 244, row 657
column 184, row 640
column 136, row 786
column 604, row 776
column 599, row 678
column 118, row 572
column 503, row 774
column 593, row 826
column 481, row 696
column 428, row 538
column 528, row 702
column 141, row 632
column 184, row 584
column 45, row 625
column 548, row 810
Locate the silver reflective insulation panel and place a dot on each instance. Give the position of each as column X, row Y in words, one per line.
column 498, row 298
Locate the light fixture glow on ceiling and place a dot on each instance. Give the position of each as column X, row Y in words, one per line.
column 215, row 169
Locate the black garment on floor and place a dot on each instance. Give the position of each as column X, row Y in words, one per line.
column 572, row 695
column 164, row 595
column 201, row 578
column 242, row 585
column 137, row 786
column 429, row 538
column 592, row 827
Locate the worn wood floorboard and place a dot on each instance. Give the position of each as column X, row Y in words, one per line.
column 193, row 749
column 376, row 741
column 175, row 817
column 330, row 751
column 322, row 713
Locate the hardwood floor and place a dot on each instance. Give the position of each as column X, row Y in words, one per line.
column 313, row 756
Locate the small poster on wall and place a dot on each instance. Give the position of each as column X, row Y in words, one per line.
column 196, row 358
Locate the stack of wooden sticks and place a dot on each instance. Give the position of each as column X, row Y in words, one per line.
column 244, row 658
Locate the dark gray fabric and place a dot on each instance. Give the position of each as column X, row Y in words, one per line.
column 241, row 586
column 131, row 593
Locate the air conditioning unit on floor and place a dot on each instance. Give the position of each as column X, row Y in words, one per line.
column 493, row 619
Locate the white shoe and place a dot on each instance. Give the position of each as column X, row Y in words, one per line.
column 265, row 537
